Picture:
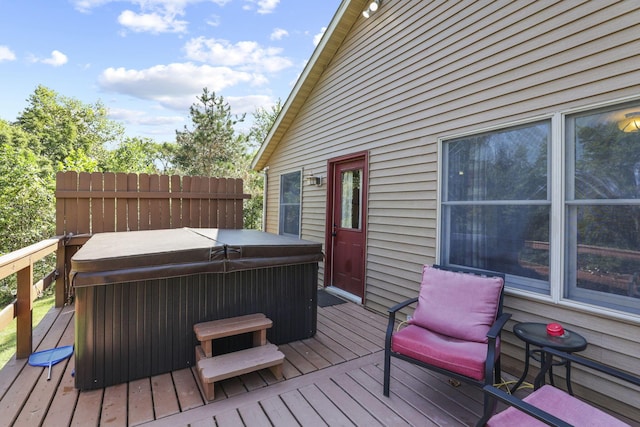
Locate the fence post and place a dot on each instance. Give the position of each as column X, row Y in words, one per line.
column 61, row 277
column 24, row 307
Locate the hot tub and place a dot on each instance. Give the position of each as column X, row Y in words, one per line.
column 138, row 295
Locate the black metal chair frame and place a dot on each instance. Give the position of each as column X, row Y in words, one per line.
column 492, row 370
column 496, row 394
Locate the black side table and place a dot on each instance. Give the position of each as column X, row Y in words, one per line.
column 536, row 334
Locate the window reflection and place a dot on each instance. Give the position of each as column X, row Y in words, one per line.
column 603, row 209
column 350, row 210
column 496, row 212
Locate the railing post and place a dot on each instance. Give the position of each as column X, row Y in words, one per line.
column 24, row 307
column 61, row 279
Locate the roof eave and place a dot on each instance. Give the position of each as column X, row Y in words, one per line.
column 336, row 32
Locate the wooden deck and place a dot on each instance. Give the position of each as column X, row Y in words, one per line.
column 334, row 378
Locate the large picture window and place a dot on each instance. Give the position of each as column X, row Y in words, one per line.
column 290, row 186
column 496, row 203
column 500, row 201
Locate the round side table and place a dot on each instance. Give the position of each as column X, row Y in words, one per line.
column 536, row 334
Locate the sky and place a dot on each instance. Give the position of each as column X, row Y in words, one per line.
column 148, row 60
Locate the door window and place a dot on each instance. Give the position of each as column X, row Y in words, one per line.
column 351, row 212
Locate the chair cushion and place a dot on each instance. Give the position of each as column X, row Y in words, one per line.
column 464, row 357
column 459, row 305
column 558, row 403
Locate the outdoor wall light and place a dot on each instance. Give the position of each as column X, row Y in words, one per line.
column 374, row 5
column 630, row 123
column 314, row 180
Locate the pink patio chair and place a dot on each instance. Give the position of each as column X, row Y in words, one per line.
column 549, row 405
column 455, row 328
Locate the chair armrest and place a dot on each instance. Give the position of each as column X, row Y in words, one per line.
column 492, row 336
column 523, row 406
column 392, row 320
column 497, row 326
column 397, row 307
column 617, row 373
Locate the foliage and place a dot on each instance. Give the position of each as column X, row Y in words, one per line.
column 65, row 127
column 263, row 120
column 254, row 181
column 26, row 199
column 211, row 147
column 26, row 205
column 134, row 155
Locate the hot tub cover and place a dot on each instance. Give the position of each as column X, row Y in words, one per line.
column 153, row 254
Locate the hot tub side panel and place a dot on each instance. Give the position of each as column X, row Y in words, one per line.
column 132, row 330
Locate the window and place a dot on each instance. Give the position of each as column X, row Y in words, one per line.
column 351, row 199
column 603, row 208
column 500, row 202
column 496, row 203
column 290, row 185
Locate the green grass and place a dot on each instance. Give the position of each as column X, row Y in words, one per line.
column 8, row 336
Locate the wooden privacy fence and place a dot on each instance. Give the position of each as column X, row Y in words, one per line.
column 88, row 203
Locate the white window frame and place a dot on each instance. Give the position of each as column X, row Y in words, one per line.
column 557, row 182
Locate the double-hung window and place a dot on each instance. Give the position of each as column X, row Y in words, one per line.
column 290, row 186
column 503, row 192
column 496, row 203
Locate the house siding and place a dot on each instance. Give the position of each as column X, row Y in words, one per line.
column 419, row 71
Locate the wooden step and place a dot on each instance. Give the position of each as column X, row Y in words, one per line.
column 257, row 323
column 229, row 365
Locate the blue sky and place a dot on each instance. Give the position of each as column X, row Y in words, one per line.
column 147, row 60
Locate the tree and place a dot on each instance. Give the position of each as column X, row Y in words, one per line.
column 27, row 207
column 263, row 120
column 16, row 136
column 134, row 155
column 211, row 147
column 66, row 127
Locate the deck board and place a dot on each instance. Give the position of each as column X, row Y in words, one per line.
column 114, row 406
column 332, row 378
column 140, row 401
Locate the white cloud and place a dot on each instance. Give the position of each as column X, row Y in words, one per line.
column 278, row 34
column 264, row 6
column 136, row 117
column 6, row 54
column 175, row 85
column 318, row 37
column 169, row 5
column 56, row 59
column 213, row 21
column 152, row 22
column 246, row 55
column 155, row 16
column 248, row 104
column 86, row 5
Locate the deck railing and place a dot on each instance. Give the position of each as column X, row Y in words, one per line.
column 88, row 203
column 21, row 264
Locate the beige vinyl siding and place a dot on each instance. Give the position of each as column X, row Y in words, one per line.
column 419, row 71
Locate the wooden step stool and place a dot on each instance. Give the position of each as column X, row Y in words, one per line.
column 262, row 355
column 218, row 368
column 206, row 332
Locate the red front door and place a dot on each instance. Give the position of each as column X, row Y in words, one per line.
column 347, row 225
